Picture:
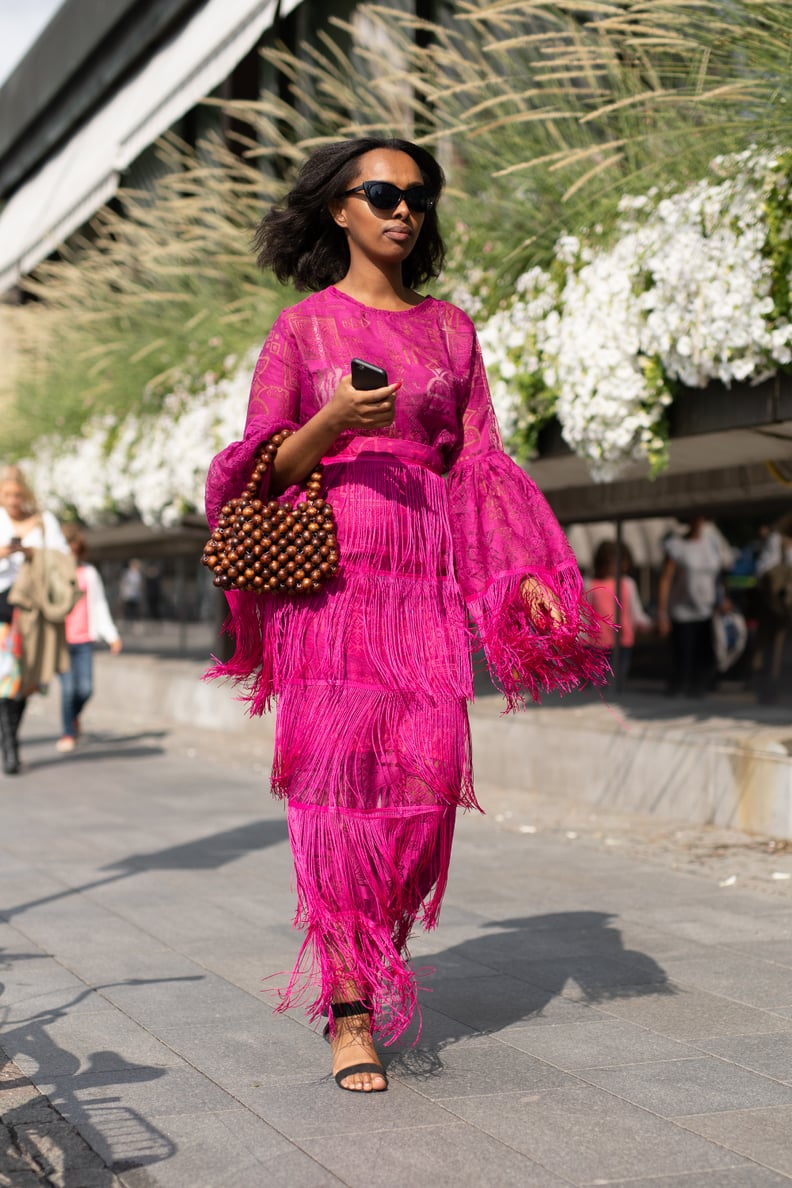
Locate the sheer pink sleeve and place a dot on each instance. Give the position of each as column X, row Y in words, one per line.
column 274, row 404
column 504, row 531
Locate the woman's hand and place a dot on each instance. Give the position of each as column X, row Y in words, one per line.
column 541, row 603
column 353, row 408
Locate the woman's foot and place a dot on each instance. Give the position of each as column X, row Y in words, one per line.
column 353, row 1049
column 65, row 744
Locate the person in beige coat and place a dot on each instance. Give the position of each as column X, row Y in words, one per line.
column 38, row 587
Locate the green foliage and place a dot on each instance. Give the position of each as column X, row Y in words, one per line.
column 778, row 212
column 538, row 405
column 164, row 292
column 543, row 114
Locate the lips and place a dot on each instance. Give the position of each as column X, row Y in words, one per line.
column 398, row 234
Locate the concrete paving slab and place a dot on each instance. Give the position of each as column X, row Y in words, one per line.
column 526, row 984
column 201, row 997
column 777, row 951
column 720, row 971
column 705, row 922
column 104, row 1042
column 760, row 1134
column 322, row 1109
column 674, row 1088
column 39, row 1009
column 770, row 1055
column 602, row 1042
column 745, row 1176
column 693, row 1015
column 236, row 1055
column 455, row 1154
column 151, row 1091
column 491, row 1002
column 232, row 1149
column 589, row 1136
column 480, row 1064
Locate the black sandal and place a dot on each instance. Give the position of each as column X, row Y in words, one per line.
column 346, row 1010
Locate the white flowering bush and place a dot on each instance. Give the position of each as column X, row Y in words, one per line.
column 694, row 287
column 153, row 466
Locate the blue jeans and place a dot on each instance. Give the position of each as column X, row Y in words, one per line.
column 76, row 685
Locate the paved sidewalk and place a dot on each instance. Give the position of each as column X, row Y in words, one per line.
column 594, row 1015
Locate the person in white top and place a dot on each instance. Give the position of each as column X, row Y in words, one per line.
column 686, row 601
column 23, row 527
column 89, row 621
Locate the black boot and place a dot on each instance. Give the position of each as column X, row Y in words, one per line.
column 9, row 724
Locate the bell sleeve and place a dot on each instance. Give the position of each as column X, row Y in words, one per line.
column 274, row 404
column 503, row 531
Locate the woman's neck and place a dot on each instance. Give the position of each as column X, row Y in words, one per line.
column 379, row 287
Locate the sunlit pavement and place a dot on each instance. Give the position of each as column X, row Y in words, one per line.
column 593, row 1012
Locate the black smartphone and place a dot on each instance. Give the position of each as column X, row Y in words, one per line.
column 15, row 542
column 366, row 377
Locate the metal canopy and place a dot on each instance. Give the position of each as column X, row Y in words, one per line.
column 75, row 181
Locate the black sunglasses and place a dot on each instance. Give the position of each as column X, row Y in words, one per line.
column 384, row 195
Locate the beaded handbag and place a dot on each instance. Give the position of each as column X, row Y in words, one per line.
column 273, row 547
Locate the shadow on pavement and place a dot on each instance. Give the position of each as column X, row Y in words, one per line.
column 204, row 853
column 537, row 958
column 94, row 747
column 43, row 1127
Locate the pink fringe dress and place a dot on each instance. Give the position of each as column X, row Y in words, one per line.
column 436, row 526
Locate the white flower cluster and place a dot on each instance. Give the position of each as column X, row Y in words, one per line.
column 683, row 293
column 153, row 466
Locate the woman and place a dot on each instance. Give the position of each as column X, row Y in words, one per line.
column 602, row 596
column 89, row 621
column 23, row 528
column 686, row 599
column 372, row 673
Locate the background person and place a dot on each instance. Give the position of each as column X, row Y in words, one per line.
column 602, row 596
column 773, row 610
column 686, row 601
column 89, row 621
column 23, row 529
column 373, row 671
column 130, row 589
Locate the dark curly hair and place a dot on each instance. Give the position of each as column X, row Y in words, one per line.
column 301, row 242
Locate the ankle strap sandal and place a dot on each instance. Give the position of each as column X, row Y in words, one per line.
column 348, row 1010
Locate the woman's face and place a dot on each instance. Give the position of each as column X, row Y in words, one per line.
column 12, row 498
column 383, row 236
